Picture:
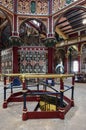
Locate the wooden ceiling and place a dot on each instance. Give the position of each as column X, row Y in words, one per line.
column 72, row 22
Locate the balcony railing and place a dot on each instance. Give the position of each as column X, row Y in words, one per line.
column 72, row 41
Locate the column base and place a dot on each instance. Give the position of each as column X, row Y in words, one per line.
column 5, row 104
column 72, row 103
column 25, row 115
column 61, row 113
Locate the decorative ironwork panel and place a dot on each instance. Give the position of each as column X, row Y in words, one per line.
column 7, row 3
column 24, row 60
column 32, row 60
column 59, row 4
column 23, row 6
column 7, row 61
column 33, row 7
column 42, row 7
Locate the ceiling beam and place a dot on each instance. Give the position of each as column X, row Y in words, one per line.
column 72, row 23
column 58, row 31
column 74, row 14
column 76, row 30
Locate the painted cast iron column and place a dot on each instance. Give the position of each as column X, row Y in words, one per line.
column 5, row 100
column 66, row 60
column 50, row 19
column 24, row 91
column 15, row 29
column 50, row 35
column 61, row 110
column 79, row 57
column 15, row 60
column 72, row 95
column 61, row 90
column 50, row 59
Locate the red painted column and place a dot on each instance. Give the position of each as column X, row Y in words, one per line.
column 50, row 59
column 72, row 95
column 66, row 60
column 50, row 35
column 79, row 58
column 61, row 84
column 61, row 109
column 23, row 83
column 24, row 91
column 15, row 60
column 5, row 100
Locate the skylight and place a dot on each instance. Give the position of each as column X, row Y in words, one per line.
column 36, row 23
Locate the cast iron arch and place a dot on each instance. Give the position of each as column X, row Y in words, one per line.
column 38, row 20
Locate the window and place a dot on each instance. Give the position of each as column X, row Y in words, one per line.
column 75, row 66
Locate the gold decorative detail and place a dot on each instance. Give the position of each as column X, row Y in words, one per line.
column 24, row 91
column 38, row 75
column 23, row 78
column 5, row 101
column 79, row 53
column 61, row 110
column 25, row 111
column 62, row 90
column 67, row 54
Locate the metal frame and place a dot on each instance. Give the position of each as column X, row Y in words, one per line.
column 34, row 95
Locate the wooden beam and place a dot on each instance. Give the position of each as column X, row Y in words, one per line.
column 60, row 33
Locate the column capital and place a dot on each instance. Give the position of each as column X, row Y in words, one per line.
column 50, row 35
column 66, row 55
column 79, row 53
column 15, row 33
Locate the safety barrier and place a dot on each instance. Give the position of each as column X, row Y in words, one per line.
column 57, row 103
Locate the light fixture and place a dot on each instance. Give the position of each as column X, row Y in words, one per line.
column 84, row 21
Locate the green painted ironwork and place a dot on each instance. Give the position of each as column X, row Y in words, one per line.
column 68, row 1
column 33, row 6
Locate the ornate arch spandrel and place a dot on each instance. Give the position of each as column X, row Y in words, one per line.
column 40, row 19
column 40, row 6
column 8, row 4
